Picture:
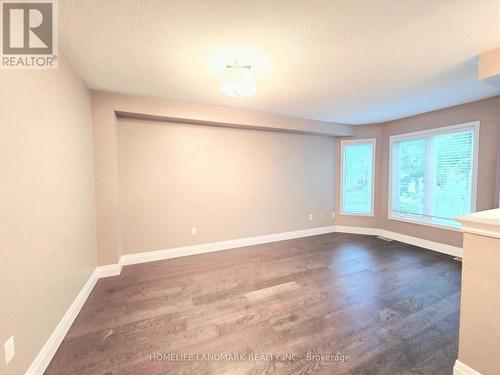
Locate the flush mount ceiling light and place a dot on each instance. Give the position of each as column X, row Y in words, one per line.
column 238, row 81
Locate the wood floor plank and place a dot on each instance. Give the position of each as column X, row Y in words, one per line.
column 391, row 307
column 271, row 291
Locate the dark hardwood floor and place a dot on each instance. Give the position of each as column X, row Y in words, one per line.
column 361, row 305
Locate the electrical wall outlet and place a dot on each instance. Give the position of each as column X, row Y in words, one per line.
column 194, row 231
column 310, row 217
column 333, row 215
column 9, row 349
column 322, row 216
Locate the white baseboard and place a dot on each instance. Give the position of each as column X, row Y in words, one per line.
column 43, row 359
column 176, row 252
column 461, row 368
column 109, row 270
column 151, row 256
column 426, row 244
column 357, row 230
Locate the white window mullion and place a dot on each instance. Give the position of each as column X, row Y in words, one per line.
column 394, row 204
column 429, row 178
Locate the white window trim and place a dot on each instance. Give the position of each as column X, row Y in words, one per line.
column 475, row 125
column 373, row 142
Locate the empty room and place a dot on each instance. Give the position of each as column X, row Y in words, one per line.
column 250, row 187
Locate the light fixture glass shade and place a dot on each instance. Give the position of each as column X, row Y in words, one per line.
column 238, row 82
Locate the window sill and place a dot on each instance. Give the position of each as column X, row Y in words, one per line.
column 419, row 222
column 355, row 214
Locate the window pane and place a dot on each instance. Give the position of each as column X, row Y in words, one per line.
column 410, row 178
column 453, row 157
column 357, row 178
column 432, row 176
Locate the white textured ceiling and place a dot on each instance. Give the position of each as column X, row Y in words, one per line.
column 351, row 61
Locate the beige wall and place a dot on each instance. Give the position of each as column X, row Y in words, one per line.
column 47, row 207
column 497, row 185
column 489, row 64
column 480, row 304
column 106, row 106
column 486, row 111
column 229, row 183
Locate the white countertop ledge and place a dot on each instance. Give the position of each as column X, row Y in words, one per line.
column 485, row 223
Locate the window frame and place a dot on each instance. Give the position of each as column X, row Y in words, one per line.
column 343, row 143
column 473, row 125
